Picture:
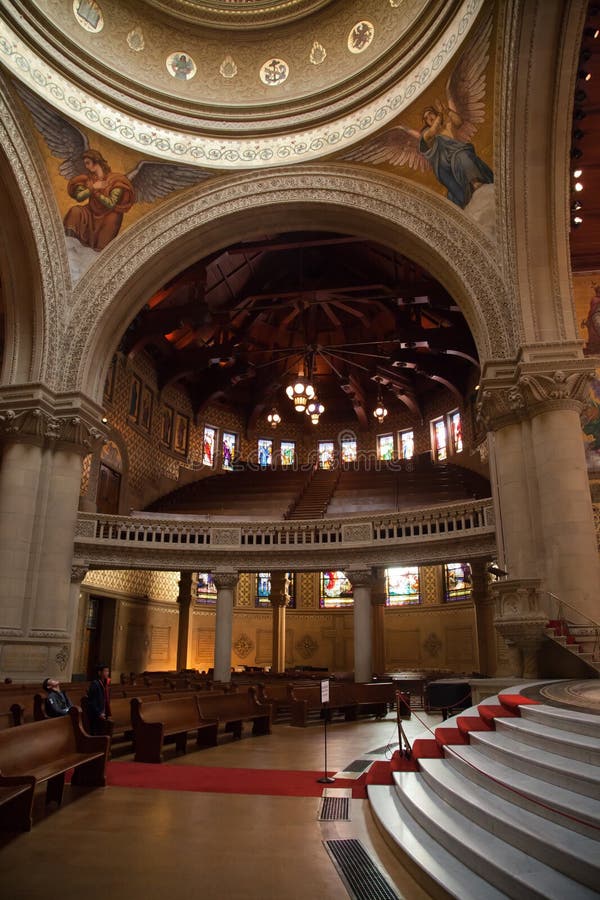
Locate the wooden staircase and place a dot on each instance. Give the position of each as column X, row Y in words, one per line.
column 313, row 500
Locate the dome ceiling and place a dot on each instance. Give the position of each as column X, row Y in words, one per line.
column 227, row 95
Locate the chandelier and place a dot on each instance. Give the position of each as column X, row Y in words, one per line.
column 273, row 418
column 380, row 412
column 301, row 390
column 315, row 410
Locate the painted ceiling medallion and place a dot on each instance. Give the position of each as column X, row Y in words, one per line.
column 135, row 40
column 360, row 37
column 181, row 66
column 274, row 72
column 228, row 67
column 89, row 15
column 317, row 54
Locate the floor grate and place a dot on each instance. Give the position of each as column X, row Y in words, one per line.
column 358, row 765
column 334, row 809
column 362, row 878
column 381, row 750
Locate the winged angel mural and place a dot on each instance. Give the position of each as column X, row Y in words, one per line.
column 444, row 142
column 102, row 197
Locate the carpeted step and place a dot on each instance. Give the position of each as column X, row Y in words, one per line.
column 466, row 724
column 444, row 735
column 491, row 711
column 426, row 748
column 512, row 702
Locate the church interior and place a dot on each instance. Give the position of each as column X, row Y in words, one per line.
column 299, row 409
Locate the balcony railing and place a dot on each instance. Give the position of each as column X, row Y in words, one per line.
column 162, row 533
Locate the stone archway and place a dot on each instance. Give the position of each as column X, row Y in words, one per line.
column 330, row 197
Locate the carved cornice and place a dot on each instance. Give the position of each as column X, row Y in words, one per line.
column 34, row 414
column 360, row 578
column 529, row 389
column 78, row 573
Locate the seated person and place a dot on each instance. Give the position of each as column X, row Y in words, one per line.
column 57, row 703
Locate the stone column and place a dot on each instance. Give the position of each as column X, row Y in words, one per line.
column 543, row 500
column 44, row 437
column 521, row 620
column 484, row 616
column 226, row 583
column 279, row 599
column 378, row 603
column 362, row 581
column 184, row 599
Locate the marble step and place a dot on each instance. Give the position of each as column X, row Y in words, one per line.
column 580, row 777
column 403, row 833
column 507, row 868
column 554, row 740
column 565, row 719
column 540, row 797
column 551, row 843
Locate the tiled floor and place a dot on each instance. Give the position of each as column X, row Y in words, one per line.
column 137, row 844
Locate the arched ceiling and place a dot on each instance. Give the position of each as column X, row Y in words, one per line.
column 236, row 328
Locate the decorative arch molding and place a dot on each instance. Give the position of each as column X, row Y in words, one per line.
column 344, row 198
column 32, row 256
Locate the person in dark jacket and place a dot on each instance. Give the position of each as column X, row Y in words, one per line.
column 56, row 703
column 99, row 700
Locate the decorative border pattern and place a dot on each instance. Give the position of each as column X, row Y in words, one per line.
column 224, row 152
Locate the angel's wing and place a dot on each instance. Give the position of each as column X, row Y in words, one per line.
column 155, row 179
column 399, row 147
column 466, row 85
column 64, row 139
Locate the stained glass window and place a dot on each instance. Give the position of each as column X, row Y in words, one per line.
column 348, row 449
column 440, row 439
column 456, row 431
column 206, row 589
column 263, row 589
column 265, row 452
column 288, row 453
column 385, row 446
column 336, row 590
column 208, row 446
column 228, row 449
column 458, row 581
column 403, row 586
column 407, row 444
column 326, row 455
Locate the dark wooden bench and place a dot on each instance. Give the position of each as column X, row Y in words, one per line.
column 154, row 721
column 232, row 710
column 16, row 801
column 44, row 752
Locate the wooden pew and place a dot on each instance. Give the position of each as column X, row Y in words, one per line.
column 154, row 721
column 232, row 710
column 16, row 801
column 43, row 752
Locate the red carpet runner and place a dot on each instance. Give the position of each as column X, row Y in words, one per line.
column 278, row 782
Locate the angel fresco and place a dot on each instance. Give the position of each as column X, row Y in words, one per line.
column 102, row 196
column 443, row 143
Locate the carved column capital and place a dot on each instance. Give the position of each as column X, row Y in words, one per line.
column 360, row 578
column 225, row 580
column 78, row 573
column 34, row 414
column 512, row 393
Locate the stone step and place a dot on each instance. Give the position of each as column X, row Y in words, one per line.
column 538, row 796
column 553, row 740
column 565, row 719
column 580, row 777
column 549, row 842
column 507, row 868
column 403, row 833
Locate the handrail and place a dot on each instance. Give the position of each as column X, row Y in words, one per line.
column 563, row 620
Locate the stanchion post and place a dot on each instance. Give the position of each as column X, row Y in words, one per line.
column 325, row 705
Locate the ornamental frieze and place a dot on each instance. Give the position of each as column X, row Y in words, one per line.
column 37, row 425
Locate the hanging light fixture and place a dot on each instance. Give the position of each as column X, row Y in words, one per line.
column 273, row 418
column 301, row 391
column 380, row 412
column 315, row 410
